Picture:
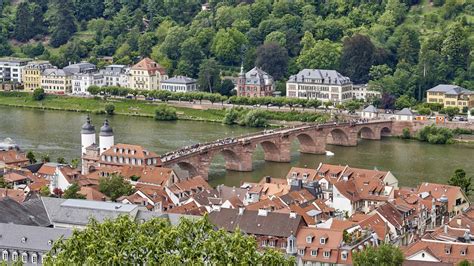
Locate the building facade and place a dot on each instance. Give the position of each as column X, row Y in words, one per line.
column 56, row 81
column 31, row 74
column 82, row 81
column 364, row 92
column 115, row 75
column 451, row 96
column 320, row 84
column 146, row 75
column 179, row 84
column 11, row 69
column 255, row 83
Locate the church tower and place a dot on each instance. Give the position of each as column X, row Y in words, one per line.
column 106, row 137
column 87, row 135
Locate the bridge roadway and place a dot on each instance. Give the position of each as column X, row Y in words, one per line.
column 276, row 144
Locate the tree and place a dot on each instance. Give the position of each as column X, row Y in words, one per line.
column 277, row 37
column 31, row 157
column 165, row 112
column 23, row 23
column 110, row 109
column 58, row 192
column 3, row 183
column 358, row 55
column 157, row 242
column 61, row 160
column 455, row 47
column 72, row 192
column 255, row 118
column 386, row 255
column 273, row 59
column 75, row 163
column 450, row 112
column 321, row 54
column 209, row 75
column 460, row 179
column 61, row 21
column 404, row 101
column 45, row 158
column 38, row 94
column 44, row 191
column 115, row 186
column 228, row 44
column 226, row 87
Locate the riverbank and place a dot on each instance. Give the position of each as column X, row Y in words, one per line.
column 131, row 107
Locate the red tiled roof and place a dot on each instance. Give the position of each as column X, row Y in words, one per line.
column 150, row 66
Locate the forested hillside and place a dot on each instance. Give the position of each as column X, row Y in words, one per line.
column 401, row 47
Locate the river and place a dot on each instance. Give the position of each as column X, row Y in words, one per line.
column 58, row 134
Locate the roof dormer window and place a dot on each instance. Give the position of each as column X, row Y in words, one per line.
column 322, row 240
column 327, row 254
column 309, row 239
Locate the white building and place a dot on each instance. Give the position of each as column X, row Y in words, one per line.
column 404, row 115
column 115, row 75
column 11, row 69
column 370, row 112
column 82, row 81
column 320, row 84
column 363, row 92
column 179, row 84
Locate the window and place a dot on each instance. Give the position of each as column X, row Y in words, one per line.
column 326, row 254
column 344, row 255
column 314, row 253
column 322, row 240
column 309, row 239
column 34, row 258
column 5, row 255
column 15, row 256
column 264, row 243
column 463, row 252
column 24, row 257
column 301, row 252
column 271, row 243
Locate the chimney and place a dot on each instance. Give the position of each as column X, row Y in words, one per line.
column 293, row 215
column 262, row 212
column 268, row 179
column 445, row 228
column 241, row 210
column 458, row 221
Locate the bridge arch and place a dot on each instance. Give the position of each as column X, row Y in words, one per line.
column 311, row 144
column 189, row 167
column 278, row 150
column 338, row 136
column 367, row 133
column 385, row 132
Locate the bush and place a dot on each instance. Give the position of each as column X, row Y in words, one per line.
column 165, row 112
column 110, row 109
column 406, row 133
column 232, row 116
column 38, row 94
column 450, row 112
column 255, row 118
column 436, row 135
column 424, row 111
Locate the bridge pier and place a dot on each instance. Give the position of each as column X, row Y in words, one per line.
column 278, row 150
column 312, row 143
column 239, row 158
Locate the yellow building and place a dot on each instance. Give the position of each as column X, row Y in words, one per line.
column 31, row 74
column 451, row 96
column 146, row 75
column 56, row 81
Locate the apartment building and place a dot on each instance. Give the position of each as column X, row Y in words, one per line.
column 320, row 84
column 451, row 96
column 56, row 81
column 146, row 75
column 82, row 81
column 31, row 74
column 11, row 69
column 115, row 75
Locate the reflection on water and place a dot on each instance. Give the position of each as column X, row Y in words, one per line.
column 57, row 133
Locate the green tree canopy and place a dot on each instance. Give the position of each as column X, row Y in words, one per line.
column 156, row 242
column 460, row 179
column 115, row 186
column 384, row 255
column 72, row 192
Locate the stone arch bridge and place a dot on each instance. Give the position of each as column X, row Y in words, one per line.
column 276, row 145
